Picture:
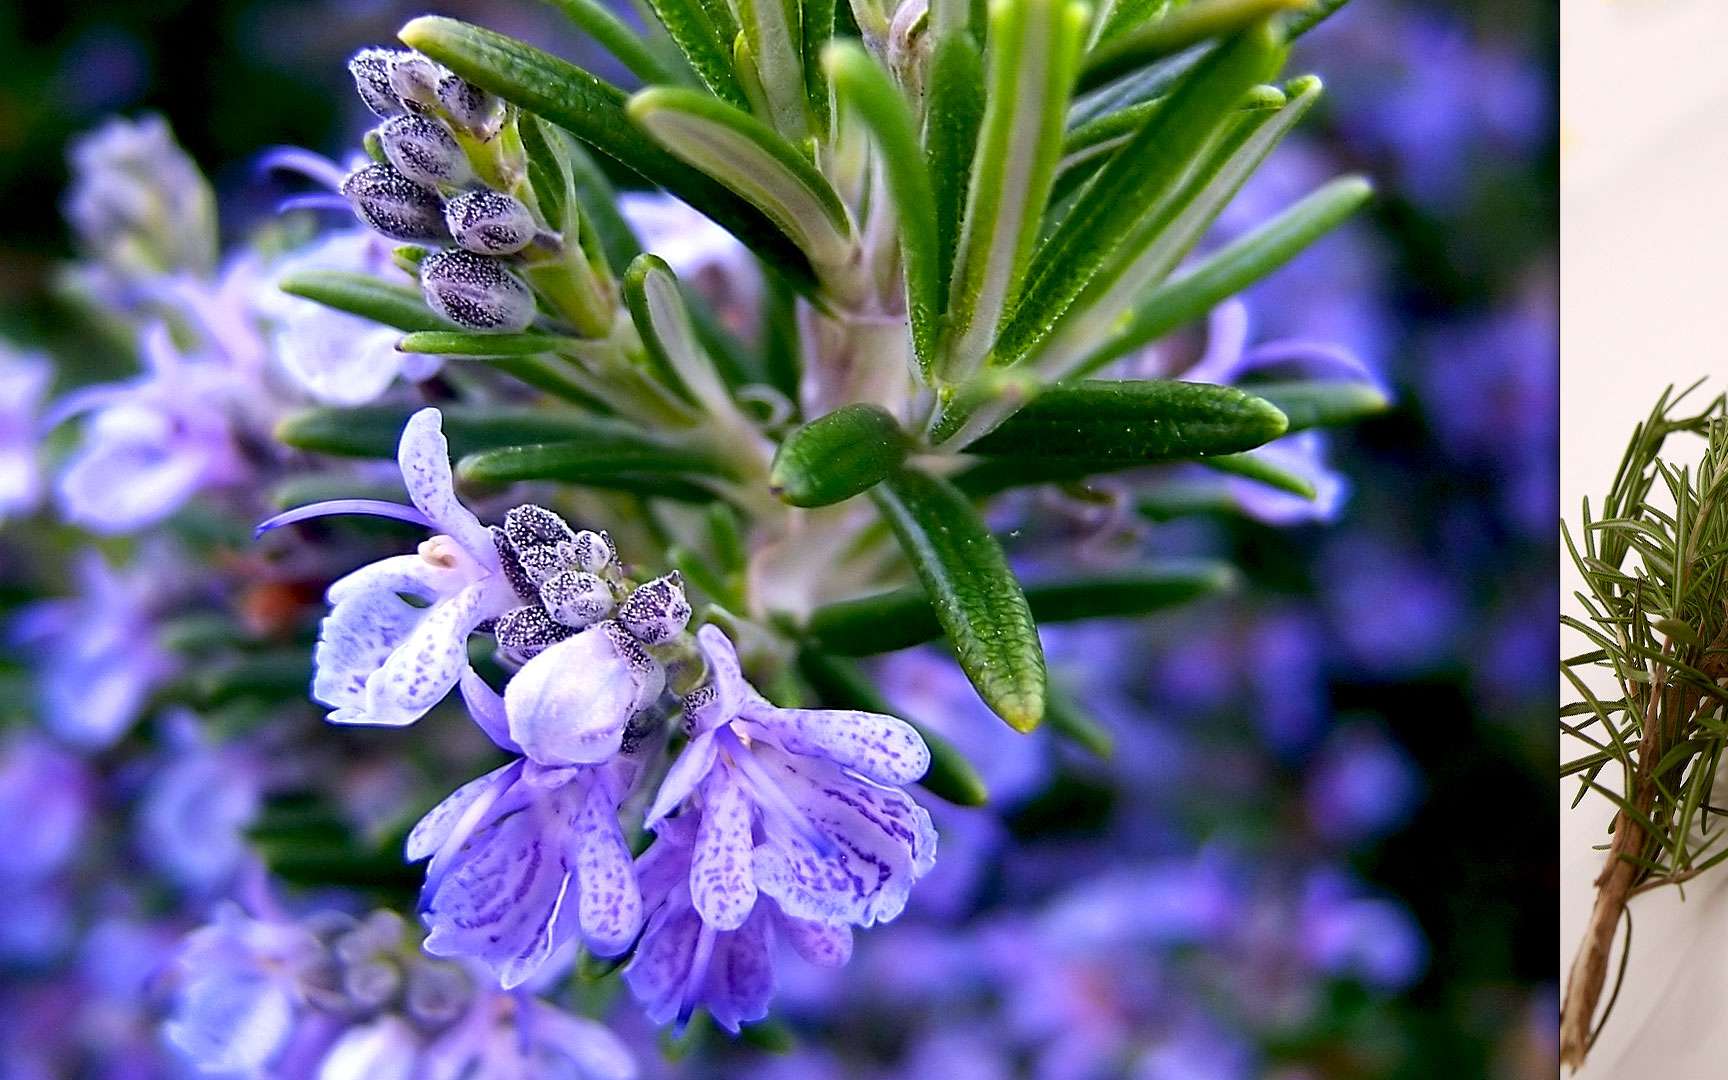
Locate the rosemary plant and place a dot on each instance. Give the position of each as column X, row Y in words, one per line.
column 1654, row 559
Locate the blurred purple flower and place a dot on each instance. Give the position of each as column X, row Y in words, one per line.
column 1361, row 786
column 24, row 382
column 1348, row 935
column 197, row 806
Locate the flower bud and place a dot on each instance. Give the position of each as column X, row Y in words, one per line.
column 423, row 150
column 472, row 109
column 594, row 551
column 656, row 611
column 490, row 222
column 371, row 71
column 528, row 631
column 576, row 598
column 529, row 526
column 415, row 80
column 476, row 292
column 394, row 205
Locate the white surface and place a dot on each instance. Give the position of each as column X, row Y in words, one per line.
column 1644, row 242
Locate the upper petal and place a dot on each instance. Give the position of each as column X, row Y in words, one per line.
column 486, row 706
column 424, row 456
column 689, row 769
column 726, row 677
column 883, row 748
column 569, row 705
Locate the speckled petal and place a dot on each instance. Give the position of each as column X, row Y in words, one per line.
column 609, row 904
column 882, row 842
column 817, row 943
column 424, row 457
column 740, row 979
column 429, row 662
column 486, row 706
column 569, row 705
column 883, row 748
column 354, row 642
column 661, row 966
column 430, row 833
column 721, row 884
column 725, row 675
column 400, row 574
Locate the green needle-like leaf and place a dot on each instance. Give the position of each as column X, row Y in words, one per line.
column 837, row 456
column 976, row 598
column 663, row 321
column 840, row 685
column 1155, row 420
column 372, row 431
column 1235, row 267
column 1183, row 28
column 462, row 343
column 707, row 46
column 860, row 83
column 774, row 31
column 599, row 22
column 818, row 31
column 1140, row 179
column 593, row 110
column 595, row 462
column 954, row 111
column 1321, row 403
column 1258, row 468
column 383, row 302
column 903, row 618
column 751, row 159
column 1034, row 53
column 1070, row 720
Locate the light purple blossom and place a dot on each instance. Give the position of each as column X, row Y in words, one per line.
column 99, row 660
column 381, row 659
column 137, row 202
column 526, row 858
column 1349, row 935
column 804, row 805
column 51, row 790
column 194, row 812
column 24, row 381
column 149, row 445
column 1362, row 785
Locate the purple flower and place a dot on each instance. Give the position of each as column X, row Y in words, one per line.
column 381, row 659
column 99, row 659
column 1348, row 935
column 197, row 806
column 52, row 791
column 1362, row 785
column 685, row 960
column 526, row 858
column 137, row 202
column 240, row 991
column 574, row 702
column 804, row 805
column 24, row 381
column 149, row 445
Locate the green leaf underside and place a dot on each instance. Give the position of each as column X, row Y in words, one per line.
column 903, row 618
column 839, row 684
column 1257, row 468
column 837, row 456
column 1235, row 267
column 1154, row 420
column 593, row 110
column 749, row 158
column 368, row 297
column 1141, row 177
column 976, row 598
column 860, row 83
column 657, row 307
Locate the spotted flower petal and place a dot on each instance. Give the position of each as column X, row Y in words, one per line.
column 721, row 883
column 424, row 457
column 882, row 748
column 570, row 704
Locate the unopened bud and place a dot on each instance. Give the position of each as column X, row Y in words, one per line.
column 527, row 631
column 474, row 110
column 529, row 526
column 423, row 150
column 576, row 598
column 371, row 71
column 657, row 611
column 476, row 292
column 594, row 551
column 415, row 81
column 490, row 222
column 395, row 205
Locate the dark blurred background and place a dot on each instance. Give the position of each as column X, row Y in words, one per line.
column 1423, row 615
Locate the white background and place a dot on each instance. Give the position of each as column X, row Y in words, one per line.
column 1644, row 240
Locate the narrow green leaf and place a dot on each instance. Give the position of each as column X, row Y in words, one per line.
column 593, row 110
column 1681, row 631
column 595, row 462
column 775, row 33
column 902, row 618
column 977, row 600
column 372, row 431
column 1147, row 84
column 954, row 111
column 368, row 297
column 1034, row 53
column 1318, row 403
column 840, row 685
column 616, row 37
column 837, row 456
column 1141, row 178
column 1181, row 29
column 1155, row 420
column 1257, row 467
column 463, row 343
column 614, row 235
column 859, row 82
column 1235, row 267
column 749, row 158
column 1162, row 239
column 1115, row 16
column 818, row 30
column 656, row 304
column 1315, row 13
column 1070, row 720
column 706, row 45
